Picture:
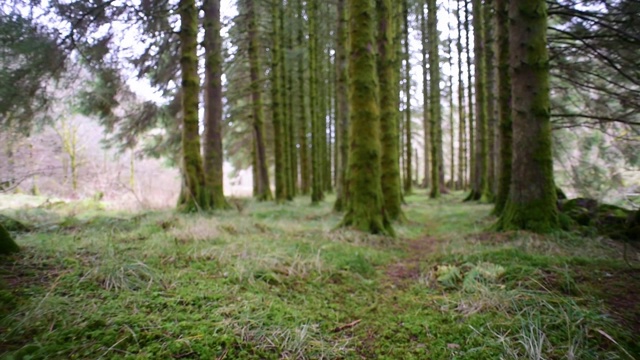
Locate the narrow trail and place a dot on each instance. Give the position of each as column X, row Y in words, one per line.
column 407, row 270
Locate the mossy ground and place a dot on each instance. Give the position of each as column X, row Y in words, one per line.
column 278, row 281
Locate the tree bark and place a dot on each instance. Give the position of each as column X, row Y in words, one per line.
column 342, row 108
column 408, row 183
column 213, row 155
column 264, row 189
column 435, row 106
column 532, row 197
column 425, row 97
column 277, row 106
column 462, row 127
column 391, row 189
column 365, row 210
column 194, row 197
column 504, row 106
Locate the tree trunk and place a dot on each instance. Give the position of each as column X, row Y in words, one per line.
column 408, row 184
column 434, row 107
column 452, row 154
column 532, row 198
column 303, row 123
column 314, row 105
column 425, row 97
column 213, row 155
column 492, row 123
column 480, row 188
column 365, row 209
column 276, row 105
column 470, row 104
column 264, row 189
column 504, row 105
column 7, row 245
column 391, row 190
column 462, row 148
column 195, row 197
column 342, row 108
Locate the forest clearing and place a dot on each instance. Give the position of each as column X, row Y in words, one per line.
column 281, row 282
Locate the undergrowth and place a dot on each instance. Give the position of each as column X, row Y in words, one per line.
column 280, row 282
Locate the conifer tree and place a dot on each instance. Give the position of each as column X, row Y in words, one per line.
column 365, row 209
column 263, row 188
column 504, row 105
column 194, row 194
column 342, row 107
column 425, row 96
column 277, row 104
column 408, row 185
column 213, row 156
column 532, row 197
column 391, row 189
column 434, row 106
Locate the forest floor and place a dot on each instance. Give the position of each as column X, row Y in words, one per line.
column 269, row 281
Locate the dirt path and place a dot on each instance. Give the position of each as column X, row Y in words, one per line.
column 408, row 269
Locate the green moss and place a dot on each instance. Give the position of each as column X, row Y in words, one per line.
column 365, row 210
column 390, row 180
column 195, row 196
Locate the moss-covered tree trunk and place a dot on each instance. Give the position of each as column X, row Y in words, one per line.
column 532, row 197
column 303, row 120
column 491, row 91
column 462, row 127
column 426, row 126
column 264, row 189
column 391, row 189
column 434, row 102
column 287, row 107
column 408, row 176
column 314, row 106
column 7, row 245
column 213, row 158
column 342, row 108
column 470, row 104
column 195, row 195
column 366, row 207
column 277, row 117
column 504, row 105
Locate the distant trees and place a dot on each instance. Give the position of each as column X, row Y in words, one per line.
column 282, row 91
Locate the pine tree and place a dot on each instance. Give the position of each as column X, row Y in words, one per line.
column 213, row 106
column 365, row 210
column 391, row 189
column 408, row 185
column 470, row 105
column 462, row 152
column 315, row 106
column 194, row 195
column 425, row 96
column 434, row 106
column 277, row 104
column 532, row 196
column 303, row 121
column 342, row 108
column 263, row 188
column 504, row 105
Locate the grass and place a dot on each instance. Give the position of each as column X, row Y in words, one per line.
column 280, row 282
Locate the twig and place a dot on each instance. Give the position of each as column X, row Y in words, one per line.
column 347, row 326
